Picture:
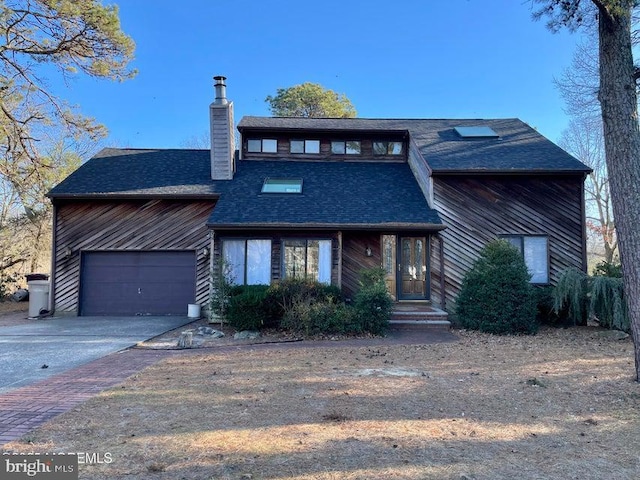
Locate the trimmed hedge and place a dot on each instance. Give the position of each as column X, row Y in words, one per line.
column 248, row 307
column 496, row 296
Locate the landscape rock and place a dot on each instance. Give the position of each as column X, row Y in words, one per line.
column 246, row 335
column 209, row 332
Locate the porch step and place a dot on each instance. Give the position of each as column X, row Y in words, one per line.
column 418, row 315
column 420, row 324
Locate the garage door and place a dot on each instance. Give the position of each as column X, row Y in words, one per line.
column 137, row 283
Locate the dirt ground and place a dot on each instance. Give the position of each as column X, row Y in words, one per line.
column 13, row 313
column 558, row 405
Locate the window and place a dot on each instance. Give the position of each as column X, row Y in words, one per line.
column 249, row 261
column 305, row 146
column 262, row 145
column 339, row 147
column 387, row 148
column 480, row 131
column 535, row 250
column 282, row 185
column 307, row 259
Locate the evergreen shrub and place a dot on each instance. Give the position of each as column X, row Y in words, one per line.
column 248, row 307
column 372, row 303
column 496, row 296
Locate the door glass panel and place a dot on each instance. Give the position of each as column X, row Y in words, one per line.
column 418, row 261
column 407, row 268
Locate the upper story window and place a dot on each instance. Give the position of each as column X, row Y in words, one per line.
column 340, row 147
column 387, row 148
column 262, row 145
column 305, row 146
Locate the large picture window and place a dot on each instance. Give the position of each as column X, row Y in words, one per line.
column 535, row 250
column 248, row 261
column 307, row 259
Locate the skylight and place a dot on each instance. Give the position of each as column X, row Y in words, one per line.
column 282, row 185
column 479, row 131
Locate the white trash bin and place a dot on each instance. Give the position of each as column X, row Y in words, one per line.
column 193, row 310
column 38, row 297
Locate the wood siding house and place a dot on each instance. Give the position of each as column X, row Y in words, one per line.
column 137, row 231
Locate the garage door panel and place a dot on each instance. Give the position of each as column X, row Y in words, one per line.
column 137, row 283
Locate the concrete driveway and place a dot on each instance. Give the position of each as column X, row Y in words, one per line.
column 65, row 343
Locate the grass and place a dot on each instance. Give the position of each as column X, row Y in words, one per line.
column 562, row 404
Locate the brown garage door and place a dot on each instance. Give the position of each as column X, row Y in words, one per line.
column 137, row 283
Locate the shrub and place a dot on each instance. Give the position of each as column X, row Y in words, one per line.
column 571, row 296
column 247, row 308
column 608, row 269
column 602, row 296
column 496, row 296
column 322, row 316
column 284, row 295
column 7, row 282
column 372, row 303
column 221, row 291
column 608, row 303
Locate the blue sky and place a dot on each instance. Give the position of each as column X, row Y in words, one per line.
column 402, row 59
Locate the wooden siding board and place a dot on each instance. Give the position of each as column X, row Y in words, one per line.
column 141, row 225
column 479, row 209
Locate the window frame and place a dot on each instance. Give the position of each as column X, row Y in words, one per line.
column 306, row 241
column 245, row 264
column 262, row 149
column 306, row 142
column 522, row 238
column 345, row 149
column 274, row 180
column 388, row 150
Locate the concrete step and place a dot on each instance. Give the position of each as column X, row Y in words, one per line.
column 420, row 324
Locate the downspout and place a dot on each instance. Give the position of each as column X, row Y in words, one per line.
column 54, row 249
column 443, row 296
column 584, row 225
column 340, row 260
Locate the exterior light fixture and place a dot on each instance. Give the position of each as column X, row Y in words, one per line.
column 368, row 252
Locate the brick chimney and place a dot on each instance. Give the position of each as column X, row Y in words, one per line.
column 222, row 135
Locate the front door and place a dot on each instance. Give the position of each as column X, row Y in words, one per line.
column 412, row 271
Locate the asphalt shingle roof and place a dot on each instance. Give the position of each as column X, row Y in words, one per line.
column 349, row 194
column 518, row 149
column 131, row 172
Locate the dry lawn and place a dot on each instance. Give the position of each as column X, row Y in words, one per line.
column 559, row 405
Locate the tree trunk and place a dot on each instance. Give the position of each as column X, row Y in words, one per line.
column 622, row 146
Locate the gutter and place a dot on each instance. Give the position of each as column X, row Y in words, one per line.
column 328, row 226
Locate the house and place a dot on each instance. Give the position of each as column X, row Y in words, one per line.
column 136, row 231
